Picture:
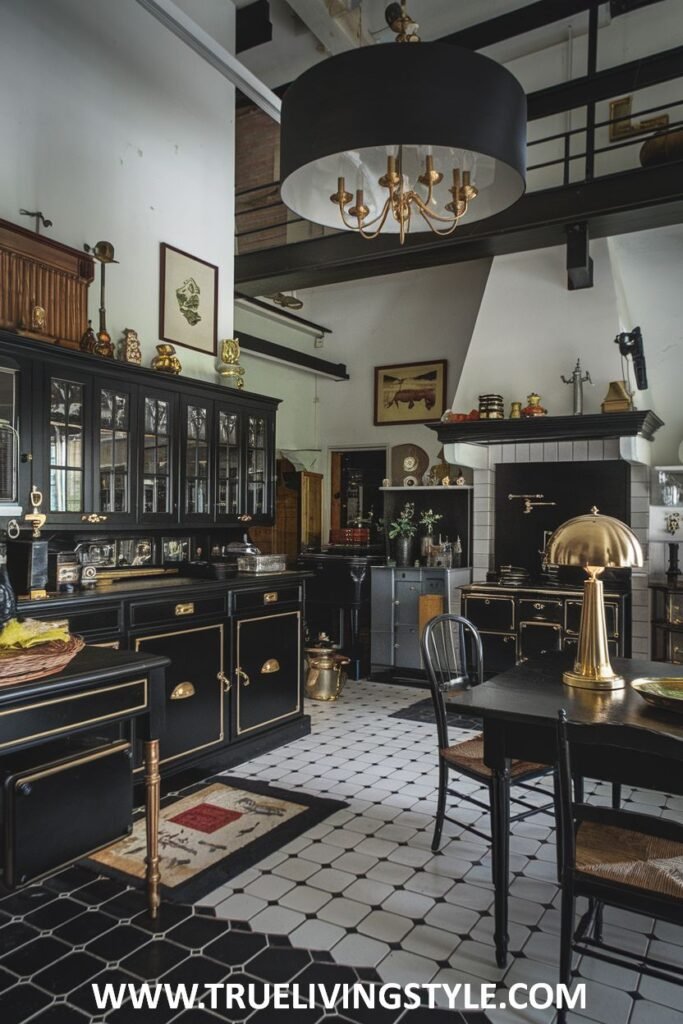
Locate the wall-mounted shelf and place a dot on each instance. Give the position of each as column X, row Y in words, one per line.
column 550, row 428
column 431, row 487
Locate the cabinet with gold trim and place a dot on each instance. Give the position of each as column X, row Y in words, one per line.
column 667, row 622
column 197, row 688
column 266, row 670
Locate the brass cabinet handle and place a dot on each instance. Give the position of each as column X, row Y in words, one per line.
column 245, row 518
column 487, row 601
column 508, row 639
column 272, row 665
column 241, row 674
column 539, row 606
column 185, row 609
column 93, row 518
column 270, row 597
column 222, row 678
column 183, row 691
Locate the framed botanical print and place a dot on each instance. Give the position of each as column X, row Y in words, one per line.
column 410, row 393
column 188, row 300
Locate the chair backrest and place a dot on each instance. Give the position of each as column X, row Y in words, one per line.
column 453, row 656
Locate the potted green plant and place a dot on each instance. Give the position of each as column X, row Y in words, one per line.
column 427, row 521
column 403, row 529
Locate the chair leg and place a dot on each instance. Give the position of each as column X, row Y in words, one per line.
column 556, row 801
column 597, row 923
column 578, row 789
column 566, row 937
column 616, row 796
column 441, row 804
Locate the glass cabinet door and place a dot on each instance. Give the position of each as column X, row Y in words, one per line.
column 67, row 448
column 113, row 480
column 196, row 462
column 257, row 466
column 157, row 480
column 229, row 464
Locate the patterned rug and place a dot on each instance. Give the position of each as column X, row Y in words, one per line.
column 212, row 833
column 423, row 711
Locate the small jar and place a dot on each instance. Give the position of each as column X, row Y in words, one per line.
column 516, row 411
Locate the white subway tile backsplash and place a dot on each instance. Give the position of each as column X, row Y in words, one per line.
column 611, row 448
column 495, row 454
column 536, row 451
column 508, row 453
column 522, row 451
column 595, row 451
column 564, row 451
column 550, row 451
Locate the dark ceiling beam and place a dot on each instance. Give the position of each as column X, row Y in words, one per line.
column 252, row 26
column 612, row 205
column 291, row 356
column 604, row 85
column 517, row 23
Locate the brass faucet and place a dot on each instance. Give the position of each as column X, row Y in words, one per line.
column 531, row 501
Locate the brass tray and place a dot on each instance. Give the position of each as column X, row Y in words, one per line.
column 664, row 692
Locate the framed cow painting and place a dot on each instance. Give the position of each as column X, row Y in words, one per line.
column 410, row 393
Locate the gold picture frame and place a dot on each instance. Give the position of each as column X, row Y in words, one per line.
column 410, row 393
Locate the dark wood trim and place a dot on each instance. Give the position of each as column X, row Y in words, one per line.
column 611, row 205
column 551, row 428
column 290, row 355
column 282, row 312
column 518, row 22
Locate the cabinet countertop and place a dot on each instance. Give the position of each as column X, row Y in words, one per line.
column 159, row 587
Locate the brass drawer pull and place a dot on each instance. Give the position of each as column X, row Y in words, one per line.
column 93, row 518
column 245, row 518
column 270, row 597
column 185, row 609
column 183, row 691
column 222, row 678
column 241, row 674
column 272, row 665
column 508, row 639
column 539, row 606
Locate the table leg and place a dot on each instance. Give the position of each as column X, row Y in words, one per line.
column 500, row 851
column 152, row 792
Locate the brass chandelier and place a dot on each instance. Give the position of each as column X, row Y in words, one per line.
column 416, row 137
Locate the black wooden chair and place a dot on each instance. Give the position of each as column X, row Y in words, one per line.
column 615, row 857
column 453, row 655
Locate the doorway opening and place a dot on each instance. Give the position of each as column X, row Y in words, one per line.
column 355, row 479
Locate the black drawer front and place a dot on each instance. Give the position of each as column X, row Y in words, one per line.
column 194, row 687
column 500, row 652
column 539, row 638
column 90, row 622
column 144, row 613
column 58, row 812
column 50, row 717
column 573, row 617
column 272, row 597
column 493, row 613
column 541, row 610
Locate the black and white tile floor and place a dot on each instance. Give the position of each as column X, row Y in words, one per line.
column 360, row 889
column 365, row 885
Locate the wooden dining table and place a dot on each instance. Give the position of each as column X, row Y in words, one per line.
column 519, row 709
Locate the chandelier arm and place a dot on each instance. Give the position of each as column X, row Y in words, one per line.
column 435, row 230
column 432, row 215
column 355, row 227
column 371, row 235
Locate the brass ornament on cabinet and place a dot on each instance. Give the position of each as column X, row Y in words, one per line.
column 166, row 360
column 104, row 253
column 617, row 398
column 129, row 347
column 228, row 365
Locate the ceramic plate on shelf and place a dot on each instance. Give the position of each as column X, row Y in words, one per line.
column 665, row 692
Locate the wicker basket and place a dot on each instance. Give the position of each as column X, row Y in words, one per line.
column 21, row 666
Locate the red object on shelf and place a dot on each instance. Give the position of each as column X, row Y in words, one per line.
column 350, row 535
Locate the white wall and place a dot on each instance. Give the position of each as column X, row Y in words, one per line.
column 417, row 315
column 117, row 131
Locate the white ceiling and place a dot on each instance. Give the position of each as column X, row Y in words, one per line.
column 304, row 38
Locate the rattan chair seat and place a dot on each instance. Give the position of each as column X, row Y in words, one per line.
column 630, row 858
column 468, row 755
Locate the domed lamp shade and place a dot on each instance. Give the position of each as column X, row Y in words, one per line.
column 403, row 138
column 595, row 543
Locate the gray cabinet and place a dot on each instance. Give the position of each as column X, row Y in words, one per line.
column 395, row 615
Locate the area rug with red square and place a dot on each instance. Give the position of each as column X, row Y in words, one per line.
column 213, row 832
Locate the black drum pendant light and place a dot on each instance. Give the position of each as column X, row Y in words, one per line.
column 394, row 139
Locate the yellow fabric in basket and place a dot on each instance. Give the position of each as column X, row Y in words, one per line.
column 30, row 633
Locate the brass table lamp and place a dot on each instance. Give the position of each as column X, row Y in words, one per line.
column 594, row 542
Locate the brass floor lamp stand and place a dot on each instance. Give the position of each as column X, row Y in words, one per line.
column 592, row 668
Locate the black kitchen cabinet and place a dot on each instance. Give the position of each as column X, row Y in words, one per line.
column 197, row 688
column 267, row 670
column 117, row 446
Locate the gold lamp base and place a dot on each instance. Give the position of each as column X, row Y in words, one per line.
column 592, row 668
